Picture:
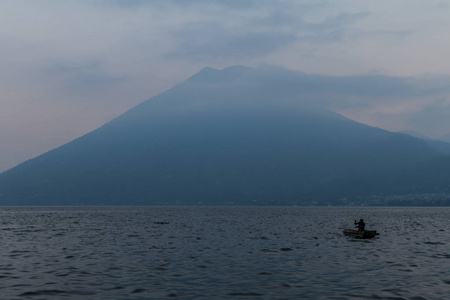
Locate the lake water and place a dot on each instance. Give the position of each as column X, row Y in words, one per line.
column 223, row 253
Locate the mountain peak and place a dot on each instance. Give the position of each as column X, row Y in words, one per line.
column 211, row 75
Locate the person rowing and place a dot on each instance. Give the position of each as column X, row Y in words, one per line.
column 361, row 225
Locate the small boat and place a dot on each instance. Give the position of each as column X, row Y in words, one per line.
column 362, row 234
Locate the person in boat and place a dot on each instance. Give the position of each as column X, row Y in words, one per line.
column 361, row 225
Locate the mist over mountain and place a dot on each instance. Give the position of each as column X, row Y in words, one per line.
column 414, row 134
column 237, row 136
column 445, row 138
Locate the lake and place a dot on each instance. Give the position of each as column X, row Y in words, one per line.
column 223, row 253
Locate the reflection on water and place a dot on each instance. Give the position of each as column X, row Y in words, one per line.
column 207, row 253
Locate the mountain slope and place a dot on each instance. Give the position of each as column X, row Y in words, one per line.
column 219, row 138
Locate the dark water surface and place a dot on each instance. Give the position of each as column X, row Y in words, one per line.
column 223, row 253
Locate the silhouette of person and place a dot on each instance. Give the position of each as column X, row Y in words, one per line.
column 361, row 225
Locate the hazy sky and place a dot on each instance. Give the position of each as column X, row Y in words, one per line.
column 68, row 67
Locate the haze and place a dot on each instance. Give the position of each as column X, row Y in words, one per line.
column 68, row 67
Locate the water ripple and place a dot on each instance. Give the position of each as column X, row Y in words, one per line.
column 207, row 253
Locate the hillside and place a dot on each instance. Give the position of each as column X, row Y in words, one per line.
column 224, row 138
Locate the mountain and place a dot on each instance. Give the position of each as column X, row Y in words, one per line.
column 445, row 138
column 414, row 134
column 440, row 144
column 227, row 137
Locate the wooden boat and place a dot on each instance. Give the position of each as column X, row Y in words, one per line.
column 362, row 234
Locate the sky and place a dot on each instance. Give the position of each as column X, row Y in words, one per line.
column 68, row 67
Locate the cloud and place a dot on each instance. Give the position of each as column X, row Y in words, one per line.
column 255, row 35
column 338, row 92
column 338, row 21
column 389, row 102
column 124, row 3
column 211, row 41
column 86, row 75
column 391, row 33
column 272, row 80
column 433, row 119
column 229, row 4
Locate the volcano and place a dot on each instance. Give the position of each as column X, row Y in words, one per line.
column 226, row 137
